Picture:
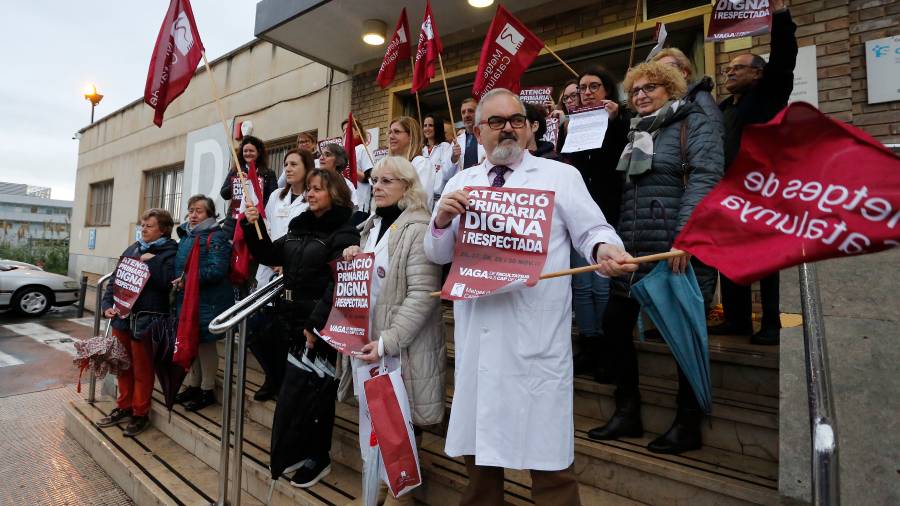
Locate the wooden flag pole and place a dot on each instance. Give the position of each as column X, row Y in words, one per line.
column 637, row 12
column 564, row 64
column 237, row 163
column 363, row 139
column 590, row 268
column 446, row 90
column 412, row 69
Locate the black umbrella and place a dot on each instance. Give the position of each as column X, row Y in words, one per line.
column 159, row 341
column 304, row 415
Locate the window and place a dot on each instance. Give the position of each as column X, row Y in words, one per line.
column 162, row 189
column 277, row 151
column 100, row 204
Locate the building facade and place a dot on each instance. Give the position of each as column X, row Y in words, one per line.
column 29, row 217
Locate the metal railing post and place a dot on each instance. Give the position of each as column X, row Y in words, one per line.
column 82, row 294
column 98, row 315
column 226, row 419
column 239, row 413
column 822, row 422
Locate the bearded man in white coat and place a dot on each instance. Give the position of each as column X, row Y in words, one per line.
column 512, row 403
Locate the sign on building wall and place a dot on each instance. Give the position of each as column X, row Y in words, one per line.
column 883, row 69
column 206, row 164
column 806, row 81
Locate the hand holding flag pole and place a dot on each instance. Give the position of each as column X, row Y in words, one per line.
column 237, row 163
column 590, row 268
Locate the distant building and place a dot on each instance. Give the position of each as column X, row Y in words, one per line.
column 29, row 217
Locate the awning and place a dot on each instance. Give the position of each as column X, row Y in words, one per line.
column 330, row 31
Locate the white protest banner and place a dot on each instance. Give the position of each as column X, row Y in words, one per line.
column 586, row 129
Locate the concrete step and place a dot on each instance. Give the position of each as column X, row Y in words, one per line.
column 623, row 468
column 151, row 468
column 200, row 434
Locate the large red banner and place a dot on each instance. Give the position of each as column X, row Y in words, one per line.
column 176, row 54
column 347, row 328
column 130, row 280
column 804, row 187
column 732, row 19
column 502, row 241
column 508, row 50
column 397, row 49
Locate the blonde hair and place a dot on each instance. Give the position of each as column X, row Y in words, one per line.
column 659, row 73
column 684, row 63
column 416, row 139
column 414, row 197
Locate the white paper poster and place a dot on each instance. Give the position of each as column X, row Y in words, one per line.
column 806, row 79
column 586, row 130
column 883, row 69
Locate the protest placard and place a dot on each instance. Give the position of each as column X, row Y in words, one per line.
column 733, row 19
column 379, row 155
column 537, row 95
column 502, row 241
column 586, row 129
column 347, row 328
column 552, row 133
column 339, row 140
column 130, row 280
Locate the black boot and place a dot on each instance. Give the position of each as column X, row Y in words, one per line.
column 585, row 359
column 625, row 422
column 683, row 435
column 767, row 336
column 267, row 391
column 187, row 395
column 206, row 398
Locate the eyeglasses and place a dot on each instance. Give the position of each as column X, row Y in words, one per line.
column 498, row 122
column 734, row 68
column 384, row 181
column 647, row 89
column 571, row 97
column 593, row 87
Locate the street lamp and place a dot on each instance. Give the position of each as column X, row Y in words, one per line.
column 90, row 93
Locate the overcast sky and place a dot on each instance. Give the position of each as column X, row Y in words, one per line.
column 53, row 48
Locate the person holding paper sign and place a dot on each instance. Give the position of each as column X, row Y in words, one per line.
column 514, row 349
column 673, row 159
column 405, row 319
column 157, row 249
column 405, row 139
column 314, row 238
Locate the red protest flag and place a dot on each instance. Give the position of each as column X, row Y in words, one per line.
column 350, row 144
column 239, row 270
column 508, row 50
column 176, row 54
column 397, row 48
column 804, row 187
column 427, row 51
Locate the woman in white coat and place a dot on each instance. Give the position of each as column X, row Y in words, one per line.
column 405, row 140
column 406, row 320
column 442, row 154
column 283, row 206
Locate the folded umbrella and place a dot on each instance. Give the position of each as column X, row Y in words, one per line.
column 102, row 354
column 675, row 305
column 159, row 341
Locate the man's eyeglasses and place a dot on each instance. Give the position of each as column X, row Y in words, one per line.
column 734, row 68
column 647, row 89
column 385, row 181
column 592, row 87
column 498, row 122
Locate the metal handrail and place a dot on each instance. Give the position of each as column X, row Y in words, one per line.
column 225, row 322
column 822, row 421
column 98, row 316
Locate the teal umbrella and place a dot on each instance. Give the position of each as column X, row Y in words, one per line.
column 674, row 304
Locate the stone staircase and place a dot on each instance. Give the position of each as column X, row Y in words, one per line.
column 175, row 462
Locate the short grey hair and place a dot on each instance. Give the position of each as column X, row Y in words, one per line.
column 491, row 94
column 415, row 196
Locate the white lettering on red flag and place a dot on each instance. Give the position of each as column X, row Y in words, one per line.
column 804, row 187
column 130, row 280
column 502, row 241
column 509, row 49
column 427, row 51
column 397, row 49
column 347, row 329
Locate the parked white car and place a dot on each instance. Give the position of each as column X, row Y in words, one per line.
column 30, row 291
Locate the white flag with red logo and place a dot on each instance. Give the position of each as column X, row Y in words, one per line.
column 175, row 57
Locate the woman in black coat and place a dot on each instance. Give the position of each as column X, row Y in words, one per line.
column 316, row 237
column 251, row 150
column 156, row 249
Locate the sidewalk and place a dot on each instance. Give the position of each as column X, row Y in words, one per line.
column 40, row 464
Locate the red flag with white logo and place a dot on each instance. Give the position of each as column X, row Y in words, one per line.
column 509, row 49
column 350, row 144
column 427, row 51
column 804, row 187
column 397, row 49
column 175, row 57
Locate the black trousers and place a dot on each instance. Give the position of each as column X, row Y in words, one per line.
column 738, row 307
column 618, row 327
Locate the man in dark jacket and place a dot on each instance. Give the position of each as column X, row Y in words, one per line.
column 759, row 90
